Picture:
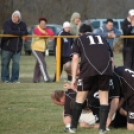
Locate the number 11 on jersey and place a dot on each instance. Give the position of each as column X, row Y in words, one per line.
column 92, row 41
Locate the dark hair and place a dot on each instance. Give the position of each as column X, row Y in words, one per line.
column 85, row 28
column 57, row 94
column 109, row 20
column 42, row 18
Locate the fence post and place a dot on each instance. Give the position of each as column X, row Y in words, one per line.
column 58, row 59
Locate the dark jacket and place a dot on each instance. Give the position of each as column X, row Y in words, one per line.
column 128, row 30
column 66, row 44
column 13, row 44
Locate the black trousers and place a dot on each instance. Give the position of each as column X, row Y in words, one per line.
column 64, row 60
column 128, row 57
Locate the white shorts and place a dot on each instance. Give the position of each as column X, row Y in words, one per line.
column 87, row 117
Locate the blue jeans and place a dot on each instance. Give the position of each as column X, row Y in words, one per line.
column 6, row 57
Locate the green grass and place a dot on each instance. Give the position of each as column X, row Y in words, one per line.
column 26, row 108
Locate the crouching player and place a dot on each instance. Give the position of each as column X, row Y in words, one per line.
column 126, row 83
column 67, row 100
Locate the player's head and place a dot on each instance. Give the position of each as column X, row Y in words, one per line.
column 67, row 69
column 85, row 29
column 58, row 97
column 109, row 24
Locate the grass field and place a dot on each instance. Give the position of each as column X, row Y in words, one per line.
column 26, row 108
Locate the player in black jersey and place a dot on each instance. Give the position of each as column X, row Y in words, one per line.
column 126, row 83
column 67, row 100
column 90, row 113
column 95, row 68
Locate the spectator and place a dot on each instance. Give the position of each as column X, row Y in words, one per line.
column 38, row 48
column 108, row 30
column 128, row 50
column 88, row 22
column 11, row 47
column 66, row 44
column 75, row 23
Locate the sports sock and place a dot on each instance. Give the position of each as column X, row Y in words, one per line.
column 76, row 114
column 104, row 109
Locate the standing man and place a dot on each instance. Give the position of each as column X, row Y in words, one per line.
column 108, row 30
column 11, row 47
column 128, row 50
column 95, row 68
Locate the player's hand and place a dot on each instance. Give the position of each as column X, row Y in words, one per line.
column 73, row 85
column 67, row 86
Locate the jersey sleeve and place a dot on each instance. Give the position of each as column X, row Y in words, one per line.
column 76, row 48
column 67, row 107
column 115, row 91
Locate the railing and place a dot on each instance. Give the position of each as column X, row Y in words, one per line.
column 58, row 47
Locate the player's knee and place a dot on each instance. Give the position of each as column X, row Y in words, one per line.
column 81, row 96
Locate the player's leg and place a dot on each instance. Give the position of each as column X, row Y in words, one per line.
column 82, row 87
column 103, row 83
column 80, row 98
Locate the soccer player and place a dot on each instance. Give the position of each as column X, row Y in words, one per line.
column 95, row 68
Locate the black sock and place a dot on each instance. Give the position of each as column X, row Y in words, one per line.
column 104, row 109
column 76, row 114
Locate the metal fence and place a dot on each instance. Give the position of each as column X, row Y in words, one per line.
column 58, row 47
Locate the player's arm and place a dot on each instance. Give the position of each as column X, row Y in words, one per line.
column 115, row 94
column 66, row 120
column 122, row 100
column 123, row 112
column 113, row 107
column 75, row 61
column 76, row 52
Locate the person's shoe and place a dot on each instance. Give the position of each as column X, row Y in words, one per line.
column 35, row 82
column 6, row 81
column 69, row 130
column 103, row 131
column 17, row 82
column 49, row 81
column 108, row 129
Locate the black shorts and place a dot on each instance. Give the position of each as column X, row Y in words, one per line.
column 87, row 83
